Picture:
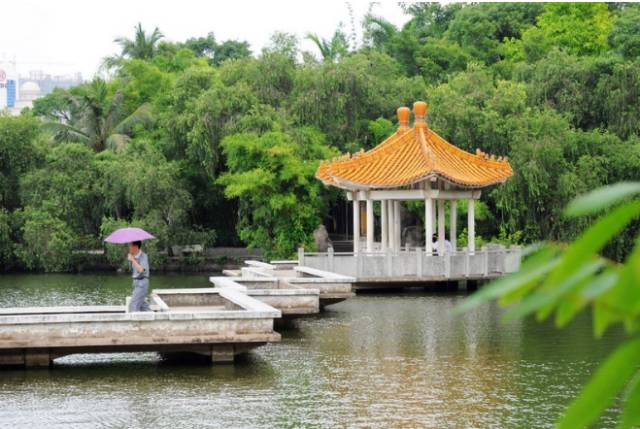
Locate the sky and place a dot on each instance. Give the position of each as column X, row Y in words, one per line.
column 68, row 36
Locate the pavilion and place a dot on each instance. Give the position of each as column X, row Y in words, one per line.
column 414, row 163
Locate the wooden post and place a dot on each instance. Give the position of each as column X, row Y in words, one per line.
column 369, row 224
column 441, row 227
column 428, row 225
column 356, row 223
column 453, row 218
column 384, row 225
column 471, row 226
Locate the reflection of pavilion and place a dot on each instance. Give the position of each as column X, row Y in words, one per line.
column 413, row 164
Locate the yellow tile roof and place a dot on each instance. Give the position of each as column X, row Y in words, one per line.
column 411, row 155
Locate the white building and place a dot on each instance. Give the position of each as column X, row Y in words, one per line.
column 29, row 91
column 8, row 85
column 18, row 92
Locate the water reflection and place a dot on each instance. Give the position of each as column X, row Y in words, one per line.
column 378, row 361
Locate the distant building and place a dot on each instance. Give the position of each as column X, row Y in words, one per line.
column 8, row 85
column 18, row 92
column 29, row 91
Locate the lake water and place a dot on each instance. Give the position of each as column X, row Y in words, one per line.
column 375, row 361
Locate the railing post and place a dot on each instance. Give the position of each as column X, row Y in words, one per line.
column 330, row 258
column 447, row 265
column 486, row 261
column 466, row 263
column 389, row 261
column 301, row 256
column 418, row 262
column 358, row 265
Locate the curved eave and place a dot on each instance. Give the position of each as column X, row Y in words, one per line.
column 419, row 154
column 353, row 186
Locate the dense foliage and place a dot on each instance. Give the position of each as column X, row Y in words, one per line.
column 203, row 139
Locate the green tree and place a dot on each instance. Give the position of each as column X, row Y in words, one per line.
column 272, row 176
column 340, row 99
column 332, row 49
column 580, row 28
column 143, row 46
column 217, row 53
column 480, row 29
column 19, row 153
column 46, row 242
column 97, row 118
column 381, row 129
column 231, row 50
column 6, row 240
column 63, row 187
column 140, row 182
column 625, row 35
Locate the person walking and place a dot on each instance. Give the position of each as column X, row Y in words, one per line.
column 139, row 263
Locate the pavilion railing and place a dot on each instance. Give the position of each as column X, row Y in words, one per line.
column 488, row 262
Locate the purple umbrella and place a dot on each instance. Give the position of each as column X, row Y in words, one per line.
column 128, row 235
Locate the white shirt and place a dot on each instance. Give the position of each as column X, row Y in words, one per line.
column 448, row 247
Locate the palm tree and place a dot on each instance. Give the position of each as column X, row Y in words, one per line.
column 143, row 46
column 379, row 32
column 96, row 120
column 333, row 49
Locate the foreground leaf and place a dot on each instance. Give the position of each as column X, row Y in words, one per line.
column 544, row 297
column 592, row 242
column 608, row 380
column 631, row 412
column 601, row 198
column 536, row 267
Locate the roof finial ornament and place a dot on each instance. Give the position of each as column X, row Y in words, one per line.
column 420, row 112
column 403, row 118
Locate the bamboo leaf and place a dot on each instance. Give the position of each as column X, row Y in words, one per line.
column 592, row 241
column 533, row 269
column 592, row 288
column 600, row 284
column 546, row 296
column 602, row 318
column 607, row 381
column 631, row 413
column 601, row 198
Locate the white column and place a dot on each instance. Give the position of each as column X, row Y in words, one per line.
column 434, row 210
column 428, row 225
column 391, row 225
column 356, row 222
column 384, row 222
column 440, row 227
column 453, row 217
column 471, row 225
column 369, row 224
column 398, row 228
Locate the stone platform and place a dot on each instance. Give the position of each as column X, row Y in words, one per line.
column 216, row 323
